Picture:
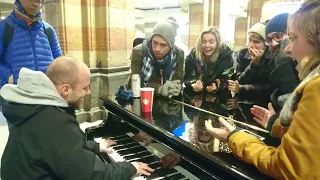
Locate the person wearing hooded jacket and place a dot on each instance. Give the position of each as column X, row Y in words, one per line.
column 29, row 46
column 209, row 65
column 45, row 140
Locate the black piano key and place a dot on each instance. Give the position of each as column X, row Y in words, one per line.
column 123, row 146
column 124, row 136
column 137, row 155
column 150, row 159
column 166, row 171
column 132, row 150
column 155, row 165
column 152, row 176
column 175, row 177
column 125, row 141
column 162, row 172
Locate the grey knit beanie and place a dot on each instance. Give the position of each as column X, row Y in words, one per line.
column 167, row 29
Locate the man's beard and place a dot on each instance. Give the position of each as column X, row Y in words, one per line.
column 77, row 104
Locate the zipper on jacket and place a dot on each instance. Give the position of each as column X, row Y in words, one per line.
column 33, row 51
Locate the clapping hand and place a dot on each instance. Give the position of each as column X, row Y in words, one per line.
column 262, row 115
column 220, row 133
column 212, row 87
column 197, row 86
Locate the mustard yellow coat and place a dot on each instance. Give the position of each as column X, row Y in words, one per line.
column 298, row 156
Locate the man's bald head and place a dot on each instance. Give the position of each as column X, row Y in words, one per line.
column 71, row 78
column 65, row 70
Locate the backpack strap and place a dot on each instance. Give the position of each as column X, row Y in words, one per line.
column 8, row 33
column 48, row 31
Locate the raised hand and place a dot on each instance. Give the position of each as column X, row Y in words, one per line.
column 212, row 87
column 197, row 86
column 256, row 55
column 233, row 86
column 262, row 115
column 220, row 133
column 170, row 160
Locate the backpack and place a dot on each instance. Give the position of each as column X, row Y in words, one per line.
column 9, row 30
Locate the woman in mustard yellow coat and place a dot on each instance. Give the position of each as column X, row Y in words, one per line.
column 298, row 125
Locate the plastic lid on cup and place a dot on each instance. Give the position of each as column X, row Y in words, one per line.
column 146, row 89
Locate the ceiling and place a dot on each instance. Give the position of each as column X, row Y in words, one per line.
column 7, row 1
column 139, row 4
column 160, row 4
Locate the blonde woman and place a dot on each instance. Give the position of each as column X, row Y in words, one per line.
column 298, row 125
column 209, row 64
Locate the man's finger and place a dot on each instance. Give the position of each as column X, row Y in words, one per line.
column 209, row 88
column 146, row 142
column 255, row 52
column 110, row 150
column 146, row 167
column 110, row 142
column 144, row 172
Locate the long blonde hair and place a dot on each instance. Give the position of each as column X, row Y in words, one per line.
column 307, row 20
column 216, row 33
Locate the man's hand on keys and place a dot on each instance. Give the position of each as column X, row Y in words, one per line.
column 142, row 168
column 105, row 145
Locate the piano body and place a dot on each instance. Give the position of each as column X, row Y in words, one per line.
column 167, row 118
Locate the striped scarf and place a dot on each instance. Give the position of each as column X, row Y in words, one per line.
column 19, row 10
column 169, row 63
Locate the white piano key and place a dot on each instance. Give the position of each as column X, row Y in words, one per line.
column 116, row 157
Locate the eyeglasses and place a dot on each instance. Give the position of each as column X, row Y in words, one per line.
column 277, row 37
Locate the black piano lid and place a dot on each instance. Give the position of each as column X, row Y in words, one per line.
column 211, row 164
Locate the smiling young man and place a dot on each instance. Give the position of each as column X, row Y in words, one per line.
column 284, row 78
column 158, row 61
column 26, row 40
column 254, row 64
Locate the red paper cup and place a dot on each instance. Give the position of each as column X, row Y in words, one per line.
column 147, row 116
column 146, row 99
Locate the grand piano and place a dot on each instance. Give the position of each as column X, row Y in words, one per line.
column 177, row 126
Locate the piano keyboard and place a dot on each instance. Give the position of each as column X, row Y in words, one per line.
column 129, row 150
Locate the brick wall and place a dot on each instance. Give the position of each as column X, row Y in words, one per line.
column 240, row 35
column 200, row 17
column 92, row 30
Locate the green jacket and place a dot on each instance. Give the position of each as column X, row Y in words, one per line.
column 137, row 60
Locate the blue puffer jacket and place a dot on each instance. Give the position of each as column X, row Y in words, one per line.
column 28, row 48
